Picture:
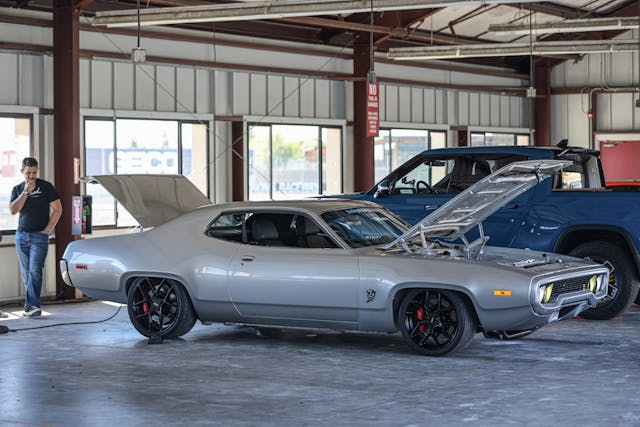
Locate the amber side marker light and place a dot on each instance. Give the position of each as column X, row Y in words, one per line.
column 501, row 293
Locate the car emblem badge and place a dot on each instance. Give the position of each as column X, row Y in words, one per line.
column 371, row 295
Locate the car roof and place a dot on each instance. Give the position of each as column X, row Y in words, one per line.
column 315, row 206
column 531, row 152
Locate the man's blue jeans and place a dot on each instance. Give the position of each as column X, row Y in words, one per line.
column 32, row 250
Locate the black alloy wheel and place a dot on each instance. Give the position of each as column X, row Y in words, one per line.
column 160, row 307
column 623, row 283
column 436, row 322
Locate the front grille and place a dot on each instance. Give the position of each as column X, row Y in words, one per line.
column 567, row 286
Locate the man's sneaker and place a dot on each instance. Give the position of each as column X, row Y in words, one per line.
column 33, row 311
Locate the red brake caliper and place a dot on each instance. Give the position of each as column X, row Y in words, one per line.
column 145, row 307
column 420, row 316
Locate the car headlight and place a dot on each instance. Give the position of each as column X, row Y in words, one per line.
column 545, row 292
column 593, row 284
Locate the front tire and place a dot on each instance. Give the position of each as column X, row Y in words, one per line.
column 160, row 307
column 436, row 322
column 623, row 283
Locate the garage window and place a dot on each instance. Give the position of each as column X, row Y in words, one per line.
column 393, row 147
column 137, row 146
column 293, row 161
column 15, row 134
column 489, row 139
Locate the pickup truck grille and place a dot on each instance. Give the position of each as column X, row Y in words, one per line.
column 575, row 284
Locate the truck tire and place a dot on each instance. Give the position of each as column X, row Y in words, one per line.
column 623, row 283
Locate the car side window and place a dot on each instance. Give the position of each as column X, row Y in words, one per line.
column 269, row 229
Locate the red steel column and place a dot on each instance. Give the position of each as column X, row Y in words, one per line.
column 237, row 161
column 363, row 167
column 542, row 105
column 66, row 122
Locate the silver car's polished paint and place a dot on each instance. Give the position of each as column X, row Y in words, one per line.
column 345, row 287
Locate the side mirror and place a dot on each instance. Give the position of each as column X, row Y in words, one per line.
column 382, row 190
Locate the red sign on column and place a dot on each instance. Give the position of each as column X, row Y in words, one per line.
column 373, row 118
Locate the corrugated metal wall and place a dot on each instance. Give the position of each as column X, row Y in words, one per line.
column 615, row 77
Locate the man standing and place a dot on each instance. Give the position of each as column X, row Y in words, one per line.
column 40, row 209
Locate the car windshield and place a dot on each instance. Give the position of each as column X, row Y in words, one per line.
column 361, row 227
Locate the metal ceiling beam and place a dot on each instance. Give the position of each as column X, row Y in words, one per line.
column 266, row 10
column 568, row 26
column 557, row 10
column 399, row 32
column 512, row 49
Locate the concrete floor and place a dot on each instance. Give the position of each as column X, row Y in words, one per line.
column 573, row 373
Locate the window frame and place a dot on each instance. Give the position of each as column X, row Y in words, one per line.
column 259, row 121
column 32, row 116
column 178, row 118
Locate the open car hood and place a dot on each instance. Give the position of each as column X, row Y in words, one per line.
column 472, row 206
column 153, row 199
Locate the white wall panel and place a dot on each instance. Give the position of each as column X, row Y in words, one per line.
column 165, row 88
column 417, row 105
column 101, row 84
column 123, row 92
column 206, row 90
column 9, row 72
column 323, row 99
column 579, row 131
column 307, row 97
column 474, row 109
column 85, row 83
column 441, row 106
column 145, row 95
column 485, row 109
column 430, row 105
column 185, row 89
column 222, row 99
column 291, row 96
column 258, row 94
column 391, row 103
column 240, row 93
column 31, row 80
column 494, row 112
column 505, row 111
column 463, row 108
column 337, row 100
column 404, row 104
column 275, row 95
column 622, row 111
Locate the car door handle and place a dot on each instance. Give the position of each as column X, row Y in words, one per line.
column 431, row 207
column 512, row 206
column 248, row 258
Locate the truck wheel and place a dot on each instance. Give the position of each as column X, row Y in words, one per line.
column 623, row 284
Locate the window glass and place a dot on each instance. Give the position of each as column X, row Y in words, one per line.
column 259, row 163
column 479, row 139
column 195, row 160
column 406, row 143
column 285, row 161
column 381, row 156
column 15, row 143
column 100, row 160
column 331, row 161
column 295, row 161
column 425, row 177
column 137, row 146
column 438, row 139
column 365, row 226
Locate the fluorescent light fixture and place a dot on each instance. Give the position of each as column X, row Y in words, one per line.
column 511, row 49
column 268, row 10
column 567, row 26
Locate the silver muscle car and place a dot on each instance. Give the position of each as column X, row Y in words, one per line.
column 331, row 263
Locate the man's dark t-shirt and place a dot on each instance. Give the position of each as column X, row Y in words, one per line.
column 34, row 215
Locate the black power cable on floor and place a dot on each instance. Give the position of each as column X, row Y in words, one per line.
column 5, row 329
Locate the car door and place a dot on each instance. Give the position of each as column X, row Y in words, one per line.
column 278, row 279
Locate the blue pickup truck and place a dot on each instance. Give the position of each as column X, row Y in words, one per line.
column 573, row 213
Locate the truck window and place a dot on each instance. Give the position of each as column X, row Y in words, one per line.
column 448, row 175
column 583, row 174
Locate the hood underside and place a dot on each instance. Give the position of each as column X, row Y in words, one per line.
column 153, row 199
column 472, row 206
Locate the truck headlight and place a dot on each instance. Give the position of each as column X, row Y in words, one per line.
column 593, row 284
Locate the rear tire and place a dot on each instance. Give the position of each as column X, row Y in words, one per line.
column 623, row 283
column 436, row 322
column 160, row 307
